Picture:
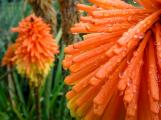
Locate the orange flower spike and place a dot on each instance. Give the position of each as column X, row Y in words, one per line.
column 93, row 63
column 35, row 49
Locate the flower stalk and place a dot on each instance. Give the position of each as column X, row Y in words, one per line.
column 37, row 103
column 44, row 9
column 69, row 16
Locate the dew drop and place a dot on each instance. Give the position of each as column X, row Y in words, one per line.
column 129, row 18
column 87, row 27
column 121, row 74
column 141, row 36
column 160, row 105
column 153, row 5
column 121, row 93
column 144, row 25
column 148, row 22
column 142, row 22
column 135, row 36
column 157, row 44
column 110, row 29
column 135, row 54
column 138, row 30
column 129, row 83
column 126, row 33
column 95, row 64
column 109, row 25
column 134, row 90
column 135, row 107
column 158, row 78
column 128, row 62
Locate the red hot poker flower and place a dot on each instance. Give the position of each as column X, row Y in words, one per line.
column 115, row 71
column 35, row 49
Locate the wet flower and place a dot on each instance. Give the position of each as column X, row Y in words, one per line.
column 34, row 50
column 115, row 72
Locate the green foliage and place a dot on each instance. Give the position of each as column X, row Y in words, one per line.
column 53, row 101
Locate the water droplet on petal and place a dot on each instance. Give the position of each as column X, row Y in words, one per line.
column 135, row 54
column 128, row 62
column 121, row 93
column 135, row 36
column 129, row 83
column 160, row 105
column 109, row 25
column 129, row 18
column 121, row 74
column 141, row 36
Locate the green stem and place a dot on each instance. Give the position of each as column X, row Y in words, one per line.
column 59, row 35
column 37, row 103
column 11, row 87
column 48, row 88
column 5, row 74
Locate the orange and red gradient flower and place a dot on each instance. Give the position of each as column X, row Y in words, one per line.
column 34, row 50
column 115, row 72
